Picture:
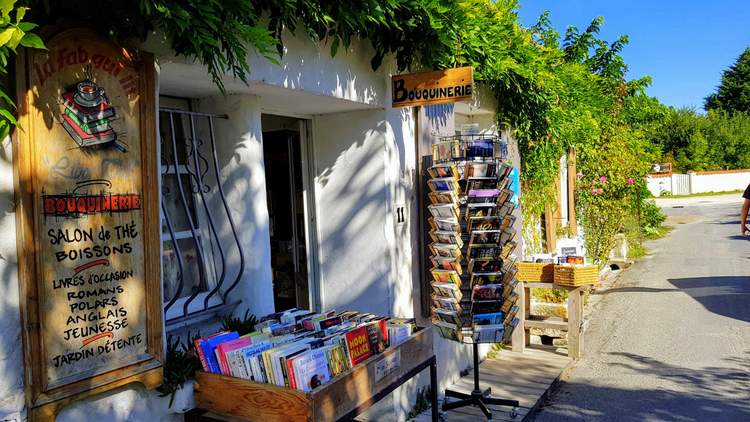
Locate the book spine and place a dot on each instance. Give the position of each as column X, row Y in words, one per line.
column 290, row 374
column 260, row 369
column 220, row 361
column 269, row 368
column 201, row 356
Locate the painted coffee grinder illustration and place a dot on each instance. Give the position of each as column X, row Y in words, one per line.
column 86, row 114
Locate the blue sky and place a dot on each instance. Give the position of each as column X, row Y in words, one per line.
column 683, row 45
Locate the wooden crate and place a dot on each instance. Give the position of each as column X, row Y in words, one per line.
column 534, row 272
column 576, row 275
column 251, row 401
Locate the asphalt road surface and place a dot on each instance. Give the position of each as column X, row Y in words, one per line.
column 670, row 340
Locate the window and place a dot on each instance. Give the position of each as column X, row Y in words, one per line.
column 195, row 277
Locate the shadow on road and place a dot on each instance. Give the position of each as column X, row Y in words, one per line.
column 728, row 295
column 633, row 289
column 706, row 394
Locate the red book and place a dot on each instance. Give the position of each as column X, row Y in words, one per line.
column 290, row 373
column 199, row 349
column 358, row 345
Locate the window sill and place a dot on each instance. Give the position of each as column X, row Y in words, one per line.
column 200, row 317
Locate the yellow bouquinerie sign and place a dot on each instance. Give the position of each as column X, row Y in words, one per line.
column 441, row 86
column 89, row 220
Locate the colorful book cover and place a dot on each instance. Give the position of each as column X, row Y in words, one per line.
column 253, row 351
column 311, row 369
column 398, row 333
column 378, row 336
column 358, row 345
column 209, row 349
column 226, row 347
column 328, row 322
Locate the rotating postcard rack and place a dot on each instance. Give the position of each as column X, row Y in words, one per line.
column 473, row 274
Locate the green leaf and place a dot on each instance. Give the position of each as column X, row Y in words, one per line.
column 33, row 41
column 20, row 13
column 334, row 46
column 6, row 6
column 7, row 99
column 15, row 39
column 27, row 26
column 6, row 35
column 8, row 116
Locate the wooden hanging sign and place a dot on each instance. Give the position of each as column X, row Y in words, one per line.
column 88, row 220
column 437, row 87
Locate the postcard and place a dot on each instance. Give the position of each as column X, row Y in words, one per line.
column 485, row 265
column 448, row 290
column 485, row 237
column 487, row 292
column 442, row 210
column 485, row 223
column 488, row 170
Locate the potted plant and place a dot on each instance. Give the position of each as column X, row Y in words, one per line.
column 179, row 371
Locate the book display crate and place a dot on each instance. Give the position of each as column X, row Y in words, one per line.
column 473, row 274
column 343, row 398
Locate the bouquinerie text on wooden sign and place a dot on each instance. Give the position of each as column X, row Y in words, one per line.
column 89, row 220
column 437, row 87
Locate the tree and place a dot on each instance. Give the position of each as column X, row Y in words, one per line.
column 733, row 94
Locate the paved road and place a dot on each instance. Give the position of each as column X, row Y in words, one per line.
column 670, row 341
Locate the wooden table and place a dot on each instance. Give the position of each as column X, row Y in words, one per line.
column 574, row 326
column 342, row 399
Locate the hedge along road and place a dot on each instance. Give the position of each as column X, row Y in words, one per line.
column 671, row 339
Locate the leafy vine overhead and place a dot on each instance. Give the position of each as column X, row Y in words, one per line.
column 553, row 92
column 14, row 32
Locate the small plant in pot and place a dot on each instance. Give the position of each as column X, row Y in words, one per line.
column 179, row 371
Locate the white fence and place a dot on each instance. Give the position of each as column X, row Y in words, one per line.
column 699, row 182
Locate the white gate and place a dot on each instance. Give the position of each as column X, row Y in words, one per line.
column 680, row 184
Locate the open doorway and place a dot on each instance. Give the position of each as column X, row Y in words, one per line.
column 283, row 152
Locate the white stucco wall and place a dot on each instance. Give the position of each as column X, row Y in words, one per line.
column 702, row 182
column 719, row 181
column 242, row 170
column 657, row 185
column 11, row 354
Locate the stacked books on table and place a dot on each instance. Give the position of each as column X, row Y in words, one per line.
column 87, row 124
column 301, row 349
column 473, row 243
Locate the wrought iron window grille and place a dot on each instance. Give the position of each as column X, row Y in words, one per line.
column 197, row 279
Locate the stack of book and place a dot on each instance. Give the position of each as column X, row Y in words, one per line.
column 88, row 123
column 471, row 221
column 301, row 349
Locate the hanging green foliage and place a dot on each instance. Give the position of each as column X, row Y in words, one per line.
column 553, row 92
